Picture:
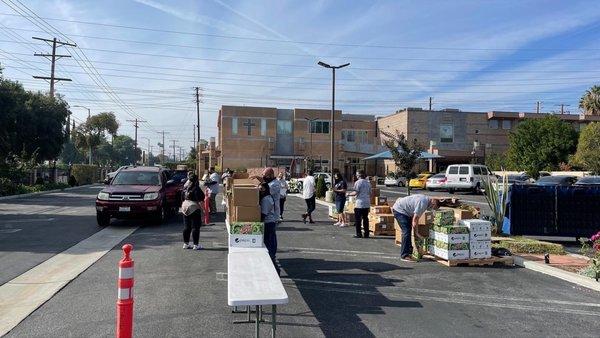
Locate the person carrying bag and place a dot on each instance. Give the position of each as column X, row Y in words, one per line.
column 192, row 212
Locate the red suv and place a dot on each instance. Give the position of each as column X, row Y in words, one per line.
column 138, row 192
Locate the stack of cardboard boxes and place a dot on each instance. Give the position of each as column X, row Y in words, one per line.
column 480, row 239
column 381, row 220
column 243, row 213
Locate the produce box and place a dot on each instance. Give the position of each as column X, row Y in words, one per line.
column 476, row 225
column 382, row 218
column 449, row 238
column 381, row 209
column 451, row 229
column 246, row 228
column 451, row 246
column 449, row 254
column 381, row 229
column 481, row 236
column 246, row 214
column 245, row 241
column 247, row 182
column 480, row 245
column 460, row 214
column 443, row 217
column 481, row 253
column 426, row 219
column 244, row 196
column 381, row 200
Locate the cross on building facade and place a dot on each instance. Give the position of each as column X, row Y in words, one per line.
column 249, row 124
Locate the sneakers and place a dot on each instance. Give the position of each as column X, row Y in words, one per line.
column 338, row 224
column 187, row 246
column 343, row 225
column 409, row 259
column 197, row 247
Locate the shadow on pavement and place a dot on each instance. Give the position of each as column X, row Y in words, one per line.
column 337, row 294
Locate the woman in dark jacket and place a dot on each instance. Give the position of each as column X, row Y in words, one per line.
column 192, row 212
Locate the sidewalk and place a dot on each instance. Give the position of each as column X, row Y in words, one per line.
column 571, row 263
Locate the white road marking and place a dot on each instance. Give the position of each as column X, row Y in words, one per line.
column 25, row 293
column 29, row 220
column 9, row 231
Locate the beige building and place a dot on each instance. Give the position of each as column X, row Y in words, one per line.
column 461, row 137
column 294, row 138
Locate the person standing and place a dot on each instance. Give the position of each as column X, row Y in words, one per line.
column 212, row 183
column 362, row 191
column 268, row 176
column 407, row 211
column 192, row 213
column 340, row 189
column 269, row 217
column 308, row 193
column 283, row 188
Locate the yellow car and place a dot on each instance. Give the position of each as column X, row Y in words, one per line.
column 419, row 182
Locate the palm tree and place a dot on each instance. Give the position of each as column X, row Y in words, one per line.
column 590, row 101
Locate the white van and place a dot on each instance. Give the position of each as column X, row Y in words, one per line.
column 467, row 177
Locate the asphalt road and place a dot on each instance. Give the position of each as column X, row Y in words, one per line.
column 338, row 286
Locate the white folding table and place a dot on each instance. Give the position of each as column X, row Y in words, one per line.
column 253, row 281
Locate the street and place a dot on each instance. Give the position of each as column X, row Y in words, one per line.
column 338, row 286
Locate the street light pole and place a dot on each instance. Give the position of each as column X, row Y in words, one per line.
column 332, row 123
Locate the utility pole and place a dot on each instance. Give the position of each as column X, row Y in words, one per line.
column 195, row 144
column 174, row 159
column 53, row 57
column 135, row 143
column 562, row 107
column 162, row 157
column 537, row 107
column 197, row 113
column 430, row 103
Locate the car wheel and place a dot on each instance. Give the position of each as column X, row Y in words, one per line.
column 477, row 189
column 160, row 216
column 103, row 219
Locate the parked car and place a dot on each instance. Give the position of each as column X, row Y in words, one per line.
column 588, row 180
column 326, row 176
column 559, row 180
column 521, row 178
column 137, row 192
column 436, row 182
column 420, row 181
column 467, row 177
column 394, row 180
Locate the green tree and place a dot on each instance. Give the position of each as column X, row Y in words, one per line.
column 590, row 101
column 124, row 152
column 405, row 154
column 90, row 135
column 498, row 161
column 70, row 154
column 588, row 148
column 321, row 187
column 541, row 144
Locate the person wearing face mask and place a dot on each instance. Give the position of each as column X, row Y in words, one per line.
column 282, row 193
column 268, row 176
column 269, row 217
column 362, row 191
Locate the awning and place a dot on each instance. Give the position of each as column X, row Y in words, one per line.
column 387, row 155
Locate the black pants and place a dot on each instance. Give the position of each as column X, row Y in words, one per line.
column 310, row 205
column 361, row 215
column 270, row 238
column 190, row 222
column 281, row 203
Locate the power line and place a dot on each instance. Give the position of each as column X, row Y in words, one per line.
column 53, row 58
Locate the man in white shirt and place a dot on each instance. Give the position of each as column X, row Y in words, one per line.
column 308, row 193
column 362, row 191
column 213, row 186
column 407, row 211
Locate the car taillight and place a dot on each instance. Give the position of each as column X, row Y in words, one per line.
column 443, row 180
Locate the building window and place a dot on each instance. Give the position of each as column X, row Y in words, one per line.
column 446, row 133
column 263, row 127
column 319, row 127
column 493, row 124
column 284, row 127
column 234, row 125
column 506, row 124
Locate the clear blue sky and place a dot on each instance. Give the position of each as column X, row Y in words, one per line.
column 472, row 55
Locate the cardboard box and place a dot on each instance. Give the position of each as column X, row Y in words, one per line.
column 460, row 214
column 451, row 230
column 382, row 218
column 244, row 196
column 481, row 236
column 248, row 182
column 381, row 229
column 246, row 214
column 381, row 200
column 481, row 253
column 476, row 225
column 480, row 245
column 381, row 209
column 443, row 217
column 426, row 219
column 375, row 192
column 449, row 254
column 449, row 246
column 449, row 238
column 237, row 175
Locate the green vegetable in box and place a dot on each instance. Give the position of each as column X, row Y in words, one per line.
column 456, row 246
column 443, row 217
column 247, row 228
column 451, row 229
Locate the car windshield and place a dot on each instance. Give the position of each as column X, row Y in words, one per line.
column 136, row 178
column 438, row 176
column 514, row 178
column 551, row 179
column 589, row 180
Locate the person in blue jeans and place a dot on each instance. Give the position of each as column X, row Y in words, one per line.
column 407, row 211
column 269, row 217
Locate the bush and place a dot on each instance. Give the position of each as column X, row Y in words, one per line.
column 321, row 187
column 527, row 245
column 8, row 188
column 39, row 181
column 85, row 173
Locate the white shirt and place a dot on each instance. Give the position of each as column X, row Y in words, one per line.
column 308, row 187
column 283, row 188
column 363, row 194
column 412, row 205
column 214, row 189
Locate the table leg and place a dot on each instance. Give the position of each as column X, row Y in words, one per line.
column 249, row 320
column 256, row 332
column 273, row 320
column 260, row 312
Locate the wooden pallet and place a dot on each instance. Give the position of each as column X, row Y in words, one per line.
column 506, row 260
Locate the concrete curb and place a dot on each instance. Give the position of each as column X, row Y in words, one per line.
column 43, row 192
column 558, row 273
